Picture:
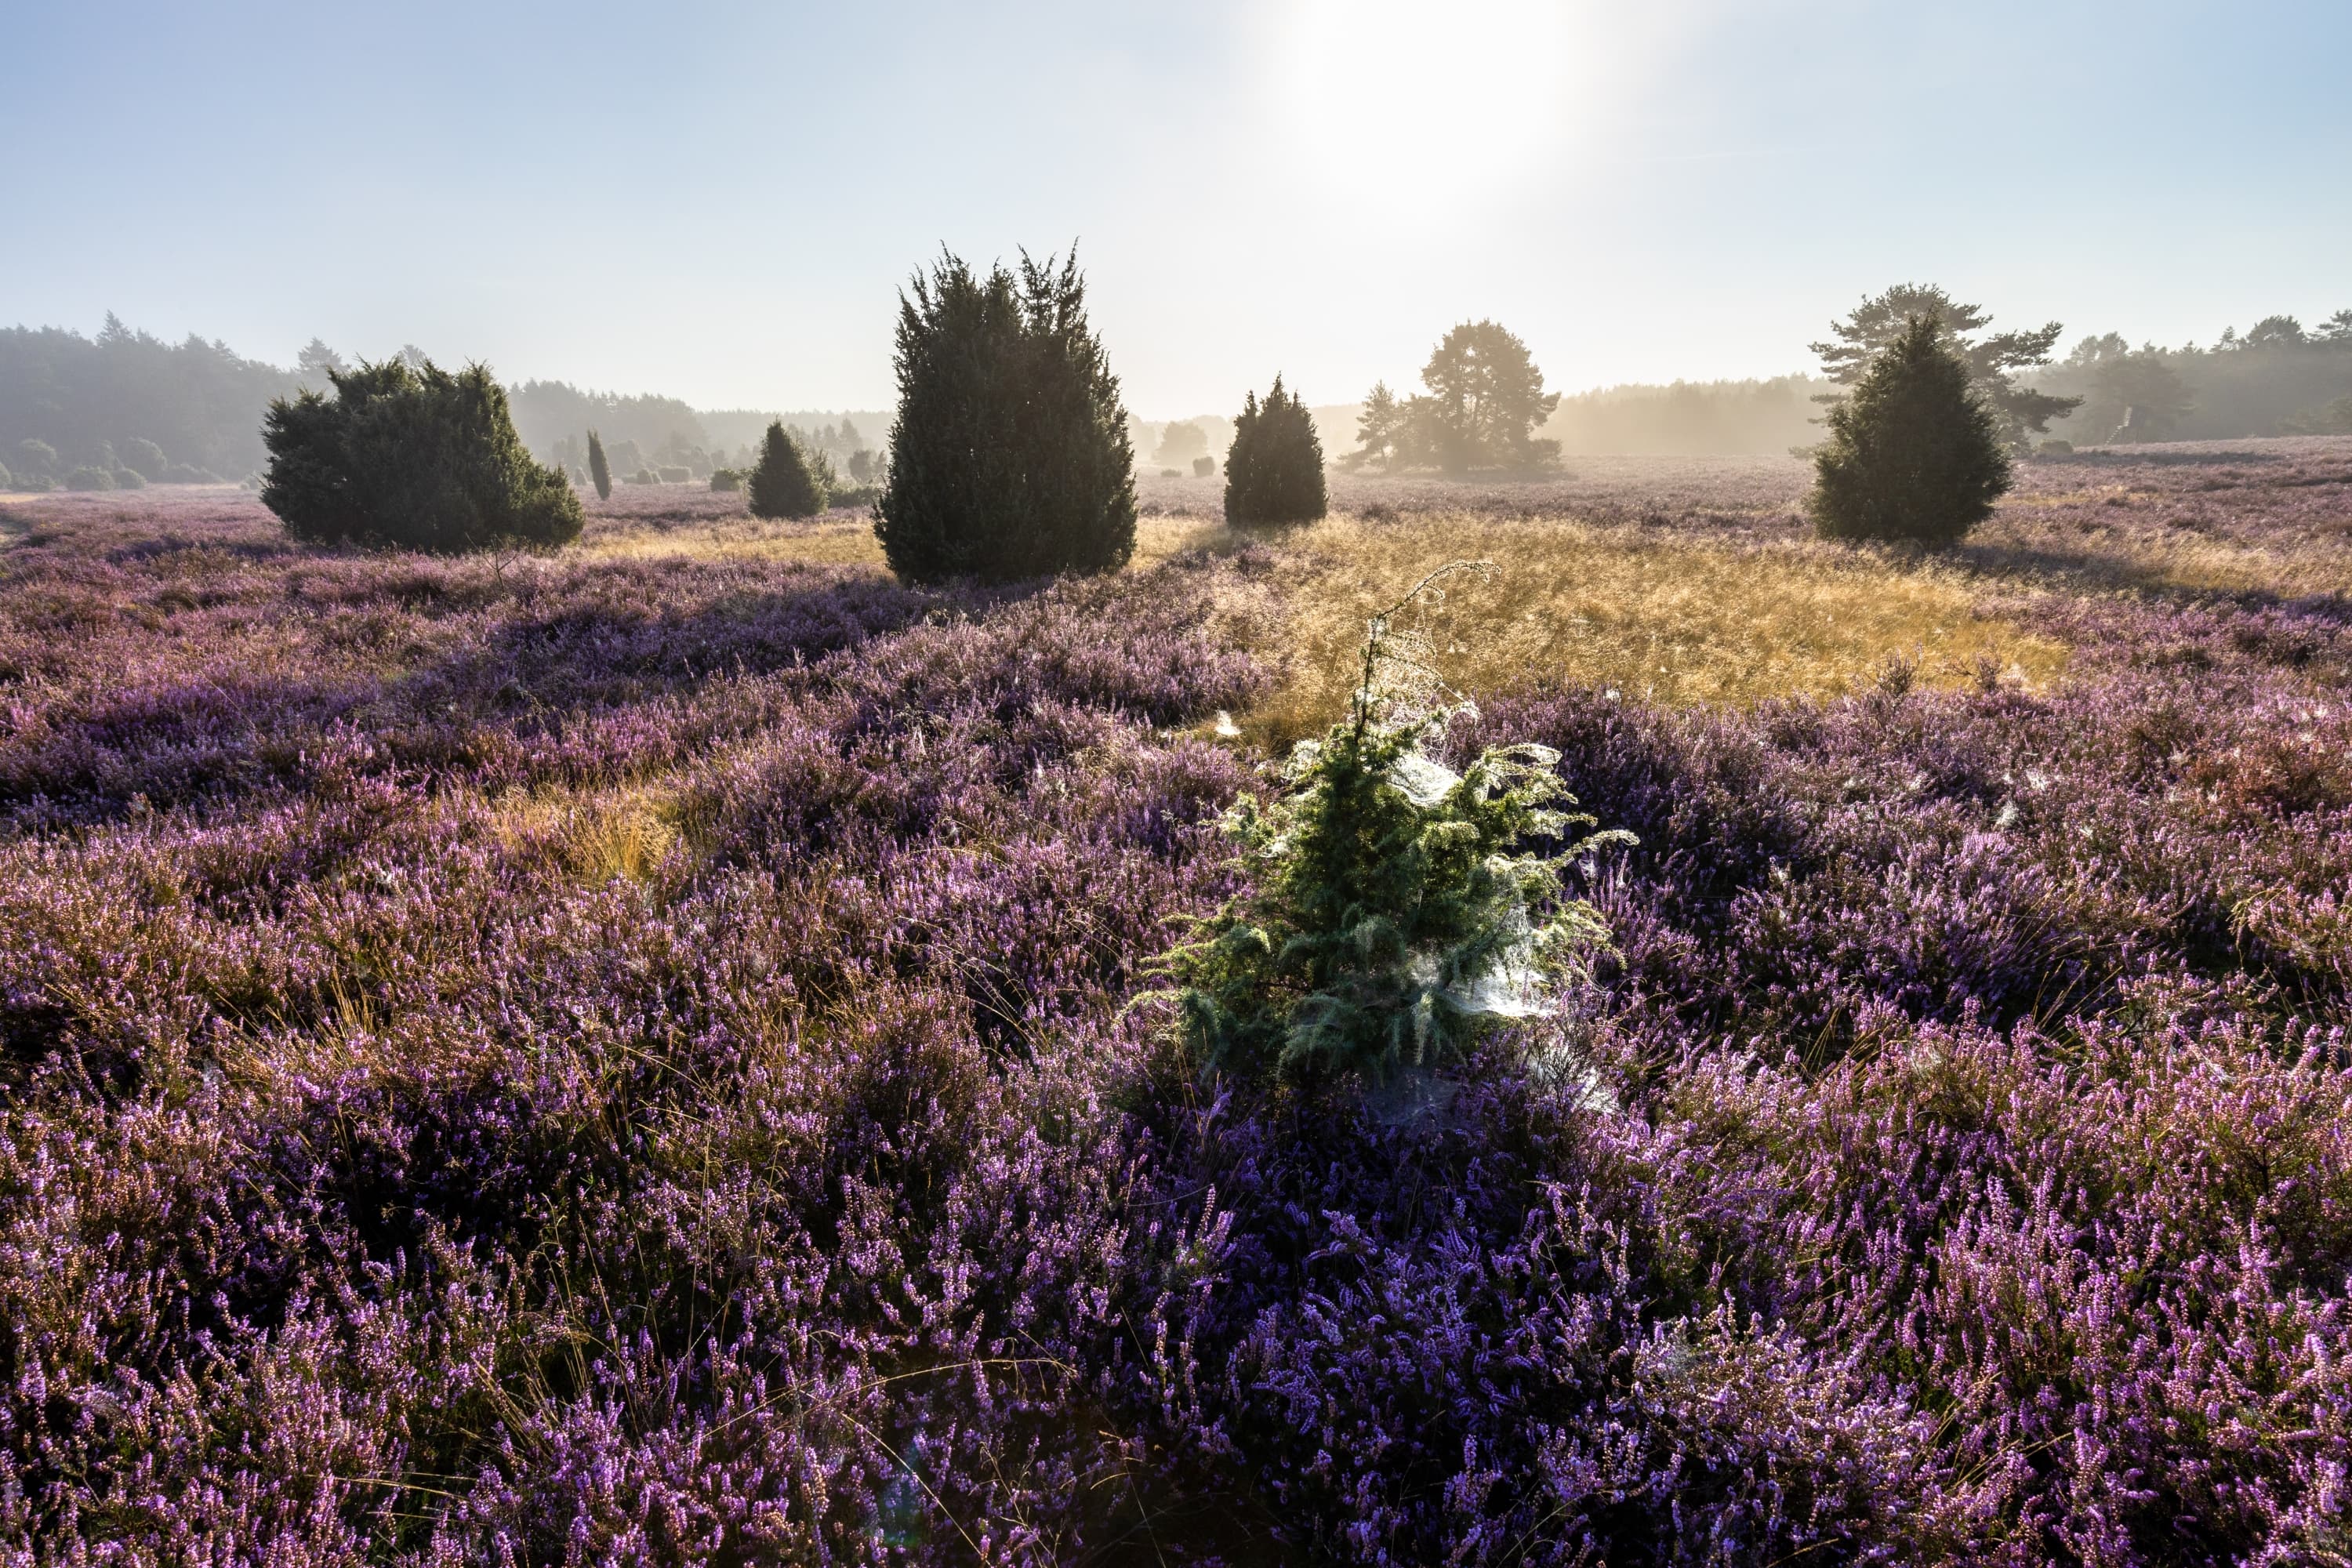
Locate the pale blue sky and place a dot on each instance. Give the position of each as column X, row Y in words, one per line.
column 721, row 201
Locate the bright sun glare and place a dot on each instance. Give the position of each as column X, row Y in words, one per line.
column 1401, row 96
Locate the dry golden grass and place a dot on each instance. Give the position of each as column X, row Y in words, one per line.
column 2095, row 559
column 827, row 542
column 1671, row 619
column 1668, row 619
column 596, row 835
column 846, row 541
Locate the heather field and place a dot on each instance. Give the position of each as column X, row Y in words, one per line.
column 628, row 1057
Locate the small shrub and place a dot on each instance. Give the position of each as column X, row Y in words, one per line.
column 782, row 483
column 1171, row 473
column 725, row 479
column 189, row 474
column 1274, row 470
column 412, row 457
column 1914, row 454
column 674, row 474
column 130, row 479
column 37, row 458
column 600, row 471
column 1203, row 467
column 1009, row 458
column 89, row 478
column 642, row 477
column 146, row 457
column 1398, row 906
column 2054, row 447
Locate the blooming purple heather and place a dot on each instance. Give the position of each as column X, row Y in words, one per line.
column 625, row 1058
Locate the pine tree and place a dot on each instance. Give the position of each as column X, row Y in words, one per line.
column 599, row 470
column 1875, row 324
column 1010, row 455
column 1274, row 470
column 1915, row 453
column 412, row 457
column 782, row 483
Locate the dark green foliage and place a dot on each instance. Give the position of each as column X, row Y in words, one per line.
column 784, row 483
column 1397, row 908
column 1915, row 453
column 1203, row 467
column 1274, row 470
column 600, row 472
column 89, row 476
column 1010, row 457
column 725, row 479
column 130, row 479
column 1880, row 320
column 412, row 457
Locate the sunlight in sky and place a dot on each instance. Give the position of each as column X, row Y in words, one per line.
column 1642, row 189
column 1399, row 96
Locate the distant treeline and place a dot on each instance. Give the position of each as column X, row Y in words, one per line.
column 1691, row 418
column 88, row 400
column 547, row 413
column 85, row 402
column 2280, row 379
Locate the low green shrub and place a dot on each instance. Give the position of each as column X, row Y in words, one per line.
column 412, row 457
column 725, row 479
column 1203, row 467
column 89, row 476
column 130, row 479
column 674, row 474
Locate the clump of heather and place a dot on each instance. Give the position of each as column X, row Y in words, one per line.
column 610, row 1059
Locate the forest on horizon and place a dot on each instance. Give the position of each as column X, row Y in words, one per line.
column 200, row 402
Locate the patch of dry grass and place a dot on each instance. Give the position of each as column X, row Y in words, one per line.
column 1666, row 614
column 1666, row 618
column 596, row 835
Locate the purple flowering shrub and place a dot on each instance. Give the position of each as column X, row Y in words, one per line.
column 605, row 1061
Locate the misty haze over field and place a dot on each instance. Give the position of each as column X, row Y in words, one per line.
column 720, row 206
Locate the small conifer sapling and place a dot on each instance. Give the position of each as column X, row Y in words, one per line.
column 599, row 468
